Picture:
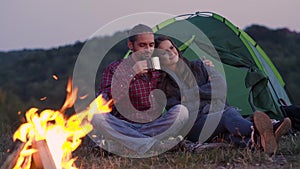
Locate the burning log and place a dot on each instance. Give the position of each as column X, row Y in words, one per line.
column 42, row 159
column 13, row 156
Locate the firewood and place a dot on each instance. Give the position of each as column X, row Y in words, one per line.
column 42, row 159
column 13, row 156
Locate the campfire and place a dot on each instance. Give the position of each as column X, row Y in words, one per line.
column 49, row 137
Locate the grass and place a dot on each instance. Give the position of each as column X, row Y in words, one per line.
column 288, row 156
column 6, row 132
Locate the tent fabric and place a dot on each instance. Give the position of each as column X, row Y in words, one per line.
column 252, row 79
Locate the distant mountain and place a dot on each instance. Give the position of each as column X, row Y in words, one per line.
column 26, row 76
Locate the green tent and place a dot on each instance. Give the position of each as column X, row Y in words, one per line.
column 253, row 81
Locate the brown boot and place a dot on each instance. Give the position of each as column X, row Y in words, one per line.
column 282, row 128
column 264, row 126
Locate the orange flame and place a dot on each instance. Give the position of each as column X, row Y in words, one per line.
column 63, row 136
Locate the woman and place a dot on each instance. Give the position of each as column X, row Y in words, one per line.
column 211, row 91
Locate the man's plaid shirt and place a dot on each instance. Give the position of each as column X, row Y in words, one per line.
column 131, row 93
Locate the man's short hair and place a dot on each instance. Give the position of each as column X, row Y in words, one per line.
column 138, row 29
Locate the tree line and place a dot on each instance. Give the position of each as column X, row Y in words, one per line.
column 38, row 77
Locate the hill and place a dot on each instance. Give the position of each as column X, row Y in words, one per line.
column 26, row 76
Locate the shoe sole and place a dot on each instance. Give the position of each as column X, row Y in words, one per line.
column 264, row 127
column 283, row 129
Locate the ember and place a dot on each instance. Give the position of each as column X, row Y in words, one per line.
column 55, row 77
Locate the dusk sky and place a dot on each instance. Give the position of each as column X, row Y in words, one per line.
column 45, row 24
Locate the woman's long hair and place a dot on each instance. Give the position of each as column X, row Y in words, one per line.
column 181, row 69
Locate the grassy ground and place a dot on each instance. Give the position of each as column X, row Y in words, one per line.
column 288, row 156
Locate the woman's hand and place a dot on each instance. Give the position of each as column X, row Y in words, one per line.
column 207, row 62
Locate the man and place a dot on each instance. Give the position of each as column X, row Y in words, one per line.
column 136, row 120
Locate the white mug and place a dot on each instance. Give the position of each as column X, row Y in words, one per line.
column 153, row 63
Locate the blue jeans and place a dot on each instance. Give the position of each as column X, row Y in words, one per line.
column 141, row 137
column 232, row 125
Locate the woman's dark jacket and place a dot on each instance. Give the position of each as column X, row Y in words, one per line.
column 208, row 95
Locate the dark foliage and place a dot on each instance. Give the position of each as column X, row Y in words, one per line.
column 282, row 46
column 26, row 75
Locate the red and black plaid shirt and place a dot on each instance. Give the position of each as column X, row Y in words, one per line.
column 131, row 93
